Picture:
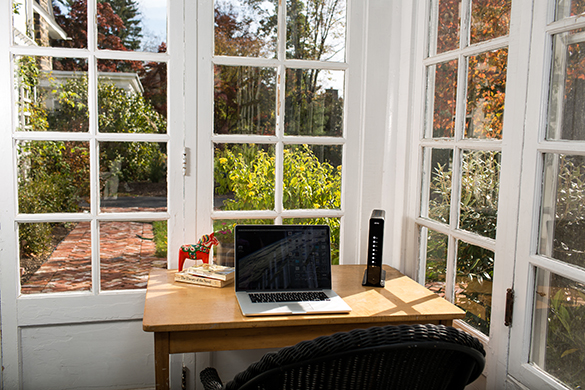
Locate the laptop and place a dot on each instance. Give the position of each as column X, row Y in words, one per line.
column 284, row 270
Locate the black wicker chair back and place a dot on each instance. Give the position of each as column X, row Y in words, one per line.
column 390, row 357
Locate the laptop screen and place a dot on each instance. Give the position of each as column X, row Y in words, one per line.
column 282, row 257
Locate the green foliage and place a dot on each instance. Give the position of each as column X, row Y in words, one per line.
column 31, row 100
column 159, row 229
column 568, row 243
column 478, row 205
column 246, row 174
column 565, row 347
column 54, row 175
column 123, row 112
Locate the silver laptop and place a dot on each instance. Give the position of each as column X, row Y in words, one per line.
column 284, row 270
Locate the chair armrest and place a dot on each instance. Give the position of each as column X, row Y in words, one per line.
column 210, row 379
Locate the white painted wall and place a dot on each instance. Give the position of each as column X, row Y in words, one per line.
column 115, row 355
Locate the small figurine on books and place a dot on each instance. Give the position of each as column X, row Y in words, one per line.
column 199, row 251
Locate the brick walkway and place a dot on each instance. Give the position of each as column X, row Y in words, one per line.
column 125, row 260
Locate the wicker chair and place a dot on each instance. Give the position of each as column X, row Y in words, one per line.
column 391, row 357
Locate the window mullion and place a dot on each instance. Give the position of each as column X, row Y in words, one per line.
column 451, row 271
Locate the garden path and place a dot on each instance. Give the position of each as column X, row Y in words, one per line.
column 127, row 253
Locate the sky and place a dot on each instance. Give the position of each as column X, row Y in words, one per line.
column 154, row 20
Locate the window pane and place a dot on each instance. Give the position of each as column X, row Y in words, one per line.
column 223, row 229
column 489, row 19
column 439, row 189
column 562, row 220
column 473, row 290
column 442, row 83
column 50, row 24
column 316, row 30
column 436, row 260
column 133, row 176
column 132, row 97
column 56, row 257
column 568, row 8
column 566, row 118
column 486, row 90
column 53, row 176
column 245, row 28
column 558, row 346
column 139, row 25
column 128, row 250
column 244, row 100
column 312, row 177
column 49, row 98
column 334, row 225
column 480, row 185
column 314, row 102
column 448, row 25
column 244, row 177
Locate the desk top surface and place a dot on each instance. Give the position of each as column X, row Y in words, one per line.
column 174, row 306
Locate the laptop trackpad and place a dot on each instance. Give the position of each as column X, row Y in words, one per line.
column 292, row 308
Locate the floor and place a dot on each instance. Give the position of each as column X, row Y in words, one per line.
column 127, row 253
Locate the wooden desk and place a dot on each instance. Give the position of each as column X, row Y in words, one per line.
column 189, row 318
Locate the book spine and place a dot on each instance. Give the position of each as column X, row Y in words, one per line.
column 210, row 275
column 198, row 280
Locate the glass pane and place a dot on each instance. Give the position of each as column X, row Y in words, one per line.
column 139, row 25
column 246, row 28
column 132, row 97
column 244, row 177
column 153, row 20
column 244, row 100
column 436, row 261
column 312, row 177
column 558, row 345
column 480, row 187
column 53, row 177
column 316, row 30
column 568, row 8
column 448, row 25
column 128, row 250
column 133, row 176
column 314, row 102
column 473, row 290
column 334, row 226
column 489, row 19
column 486, row 90
column 55, row 257
column 562, row 220
column 439, row 195
column 49, row 98
column 50, row 23
column 442, row 83
column 566, row 117
column 223, row 229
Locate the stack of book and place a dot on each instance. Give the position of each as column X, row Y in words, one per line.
column 207, row 275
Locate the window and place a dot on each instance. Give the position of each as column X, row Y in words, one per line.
column 91, row 141
column 278, row 134
column 460, row 151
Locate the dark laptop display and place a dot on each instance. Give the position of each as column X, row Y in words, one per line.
column 284, row 269
column 283, row 257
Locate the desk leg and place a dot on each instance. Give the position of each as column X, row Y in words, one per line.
column 161, row 360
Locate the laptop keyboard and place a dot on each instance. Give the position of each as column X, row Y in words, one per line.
column 288, row 297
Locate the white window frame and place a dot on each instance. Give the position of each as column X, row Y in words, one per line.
column 505, row 245
column 87, row 306
column 351, row 141
column 535, row 145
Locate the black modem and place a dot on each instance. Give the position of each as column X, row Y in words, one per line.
column 374, row 274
